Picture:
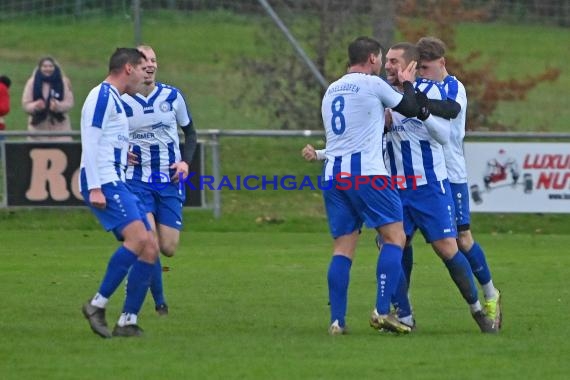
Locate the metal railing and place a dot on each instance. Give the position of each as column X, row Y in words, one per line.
column 212, row 139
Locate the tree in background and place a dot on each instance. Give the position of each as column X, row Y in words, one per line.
column 292, row 95
column 282, row 86
column 485, row 90
column 383, row 13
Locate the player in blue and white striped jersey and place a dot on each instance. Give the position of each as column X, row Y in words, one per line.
column 415, row 148
column 154, row 115
column 105, row 142
column 353, row 116
column 432, row 56
column 415, row 152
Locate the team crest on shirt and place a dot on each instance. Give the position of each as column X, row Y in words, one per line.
column 165, row 106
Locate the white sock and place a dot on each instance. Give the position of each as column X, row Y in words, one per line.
column 99, row 301
column 475, row 307
column 127, row 319
column 409, row 320
column 378, row 314
column 489, row 290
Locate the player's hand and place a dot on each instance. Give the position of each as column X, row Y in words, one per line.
column 132, row 158
column 408, row 74
column 423, row 102
column 182, row 170
column 309, row 153
column 97, row 198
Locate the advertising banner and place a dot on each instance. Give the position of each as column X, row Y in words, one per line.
column 519, row 177
column 47, row 174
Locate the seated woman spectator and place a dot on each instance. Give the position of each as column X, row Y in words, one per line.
column 47, row 98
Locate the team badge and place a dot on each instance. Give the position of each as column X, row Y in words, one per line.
column 165, row 107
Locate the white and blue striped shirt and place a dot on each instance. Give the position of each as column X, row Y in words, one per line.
column 353, row 116
column 104, row 138
column 411, row 149
column 454, row 156
column 153, row 131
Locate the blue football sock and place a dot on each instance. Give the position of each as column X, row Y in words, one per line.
column 462, row 275
column 117, row 269
column 388, row 272
column 408, row 263
column 476, row 258
column 137, row 286
column 338, row 279
column 400, row 299
column 156, row 288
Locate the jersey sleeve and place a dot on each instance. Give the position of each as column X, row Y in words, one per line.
column 89, row 144
column 321, row 154
column 433, row 90
column 183, row 116
column 387, row 95
column 94, row 115
column 438, row 128
column 461, row 96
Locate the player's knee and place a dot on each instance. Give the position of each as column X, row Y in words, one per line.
column 150, row 250
column 136, row 244
column 396, row 237
column 167, row 250
column 168, row 246
column 465, row 241
column 445, row 248
column 464, row 246
column 346, row 244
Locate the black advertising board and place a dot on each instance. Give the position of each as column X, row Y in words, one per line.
column 47, row 174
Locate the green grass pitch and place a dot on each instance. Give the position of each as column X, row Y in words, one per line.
column 253, row 305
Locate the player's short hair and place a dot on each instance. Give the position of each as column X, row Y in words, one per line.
column 431, row 48
column 360, row 49
column 410, row 51
column 122, row 56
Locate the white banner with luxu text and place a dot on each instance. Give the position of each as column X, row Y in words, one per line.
column 519, row 177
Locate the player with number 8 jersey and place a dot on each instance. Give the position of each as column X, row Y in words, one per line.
column 353, row 117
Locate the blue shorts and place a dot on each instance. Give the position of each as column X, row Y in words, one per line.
column 349, row 207
column 460, row 192
column 123, row 208
column 429, row 208
column 164, row 200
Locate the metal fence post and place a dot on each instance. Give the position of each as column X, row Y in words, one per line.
column 298, row 49
column 4, row 191
column 215, row 144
